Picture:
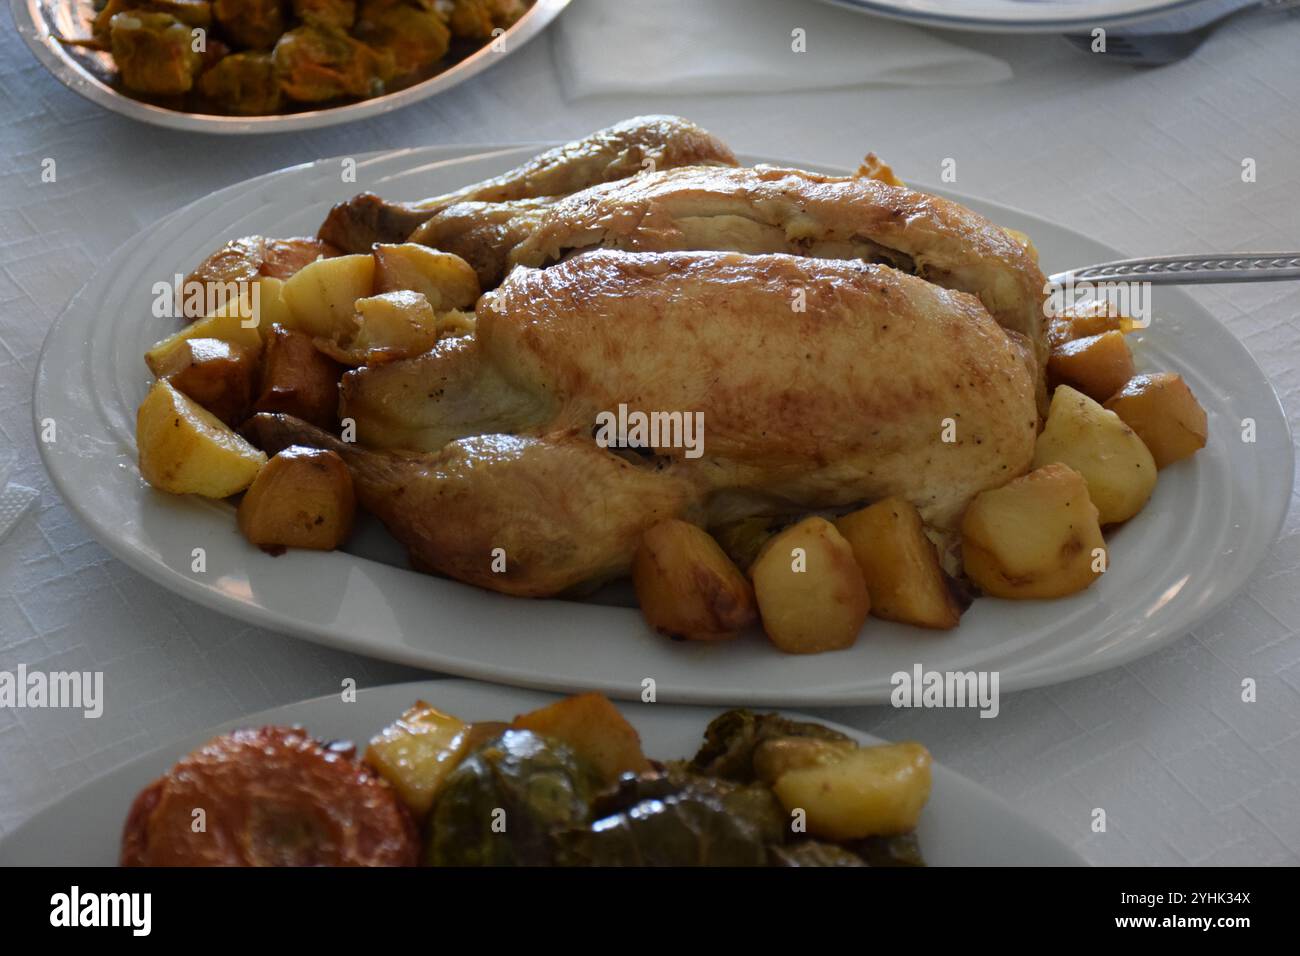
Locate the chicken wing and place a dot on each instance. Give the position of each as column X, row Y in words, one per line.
column 624, row 149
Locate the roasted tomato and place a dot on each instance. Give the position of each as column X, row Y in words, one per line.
column 268, row 797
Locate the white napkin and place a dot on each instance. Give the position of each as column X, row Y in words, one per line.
column 746, row 46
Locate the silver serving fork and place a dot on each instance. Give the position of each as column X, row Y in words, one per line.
column 1189, row 270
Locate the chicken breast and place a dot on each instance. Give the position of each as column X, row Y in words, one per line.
column 770, row 209
column 818, row 383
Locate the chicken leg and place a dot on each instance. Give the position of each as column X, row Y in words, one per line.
column 526, row 516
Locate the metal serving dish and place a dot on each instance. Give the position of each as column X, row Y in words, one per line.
column 92, row 74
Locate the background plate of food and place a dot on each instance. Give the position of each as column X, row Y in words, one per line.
column 1045, row 16
column 860, row 426
column 252, row 66
column 452, row 760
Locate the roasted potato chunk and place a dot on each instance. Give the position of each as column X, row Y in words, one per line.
column 245, row 259
column 1086, row 319
column 395, row 325
column 1119, row 470
column 1097, row 365
column 417, row 752
column 869, row 791
column 687, row 587
column 185, row 449
column 900, row 565
column 446, row 280
column 778, row 756
column 1036, row 537
column 302, row 498
column 235, row 322
column 298, row 380
column 809, row 589
column 322, row 295
column 1164, row 413
column 594, row 728
column 217, row 375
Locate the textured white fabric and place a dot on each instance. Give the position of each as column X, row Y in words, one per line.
column 1148, row 161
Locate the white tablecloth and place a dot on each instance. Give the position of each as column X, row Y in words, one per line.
column 1147, row 161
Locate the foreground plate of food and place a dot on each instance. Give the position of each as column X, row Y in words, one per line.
column 265, row 67
column 869, row 429
column 452, row 761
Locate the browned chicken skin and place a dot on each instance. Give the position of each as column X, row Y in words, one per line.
column 621, row 150
column 758, row 210
column 845, row 327
column 838, row 400
column 562, row 511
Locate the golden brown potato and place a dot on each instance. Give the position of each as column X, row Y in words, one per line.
column 236, row 322
column 185, row 449
column 217, row 375
column 809, row 589
column 298, row 380
column 1119, row 470
column 302, row 498
column 239, row 260
column 447, row 280
column 258, row 302
column 687, row 587
column 900, row 565
column 417, row 752
column 1036, row 537
column 1164, row 413
column 283, row 258
column 1090, row 318
column 1097, row 365
column 322, row 295
column 595, row 729
column 775, row 757
column 395, row 325
column 870, row 791
column 242, row 260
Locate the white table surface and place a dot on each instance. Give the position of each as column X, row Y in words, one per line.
column 1147, row 161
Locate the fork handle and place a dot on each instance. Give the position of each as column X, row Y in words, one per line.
column 1190, row 270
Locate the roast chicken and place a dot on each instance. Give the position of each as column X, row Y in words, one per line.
column 838, row 340
column 819, row 384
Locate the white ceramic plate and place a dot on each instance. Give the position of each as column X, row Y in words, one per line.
column 962, row 825
column 1210, row 521
column 92, row 74
column 1038, row 16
